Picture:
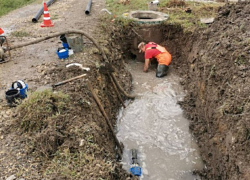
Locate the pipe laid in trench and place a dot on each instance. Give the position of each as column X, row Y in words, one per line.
column 40, row 12
column 87, row 10
column 98, row 102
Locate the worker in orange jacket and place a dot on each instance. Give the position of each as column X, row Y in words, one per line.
column 153, row 50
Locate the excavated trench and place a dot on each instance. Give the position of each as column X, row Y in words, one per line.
column 213, row 65
column 154, row 123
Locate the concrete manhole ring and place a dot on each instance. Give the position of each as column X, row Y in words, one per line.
column 147, row 17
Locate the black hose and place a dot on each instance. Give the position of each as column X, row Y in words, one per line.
column 88, row 7
column 40, row 12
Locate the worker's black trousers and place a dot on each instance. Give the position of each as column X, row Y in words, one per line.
column 162, row 70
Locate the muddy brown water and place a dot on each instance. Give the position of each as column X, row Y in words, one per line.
column 154, row 124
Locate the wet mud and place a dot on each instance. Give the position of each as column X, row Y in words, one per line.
column 153, row 124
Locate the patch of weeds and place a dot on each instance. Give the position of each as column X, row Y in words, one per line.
column 54, row 16
column 89, row 138
column 243, row 28
column 231, row 108
column 9, row 5
column 204, row 9
column 212, row 72
column 239, row 109
column 174, row 8
column 118, row 9
column 21, row 33
column 66, row 163
column 224, row 35
column 125, row 22
column 176, row 3
column 247, row 42
column 38, row 107
column 240, row 60
column 223, row 109
column 75, row 165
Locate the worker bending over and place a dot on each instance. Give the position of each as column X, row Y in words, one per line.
column 153, row 50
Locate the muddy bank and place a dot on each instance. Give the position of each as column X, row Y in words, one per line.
column 216, row 73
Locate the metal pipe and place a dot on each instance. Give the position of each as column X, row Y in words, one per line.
column 88, row 7
column 40, row 12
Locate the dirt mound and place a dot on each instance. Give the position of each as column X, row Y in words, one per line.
column 216, row 73
column 59, row 135
column 66, row 136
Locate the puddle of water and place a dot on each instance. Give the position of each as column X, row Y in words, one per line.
column 154, row 125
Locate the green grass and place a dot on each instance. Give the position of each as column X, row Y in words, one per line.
column 9, row 5
column 20, row 33
column 118, row 8
column 174, row 8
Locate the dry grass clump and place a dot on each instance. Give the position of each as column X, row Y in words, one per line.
column 43, row 117
column 176, row 3
column 34, row 111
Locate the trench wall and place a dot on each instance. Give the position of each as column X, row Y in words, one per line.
column 213, row 63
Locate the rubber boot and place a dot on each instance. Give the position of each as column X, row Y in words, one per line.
column 162, row 70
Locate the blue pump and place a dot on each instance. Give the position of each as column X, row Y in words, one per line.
column 135, row 167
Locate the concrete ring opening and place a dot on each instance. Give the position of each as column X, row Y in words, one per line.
column 150, row 17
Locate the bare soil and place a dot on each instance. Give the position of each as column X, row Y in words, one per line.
column 215, row 68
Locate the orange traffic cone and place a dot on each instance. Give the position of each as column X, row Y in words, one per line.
column 1, row 31
column 46, row 17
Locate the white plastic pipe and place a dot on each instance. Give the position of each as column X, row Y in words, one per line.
column 155, row 2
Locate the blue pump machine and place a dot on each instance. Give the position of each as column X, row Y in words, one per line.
column 135, row 167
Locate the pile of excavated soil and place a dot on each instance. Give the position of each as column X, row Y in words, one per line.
column 63, row 134
column 215, row 68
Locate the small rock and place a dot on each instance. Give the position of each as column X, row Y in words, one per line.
column 81, row 142
column 12, row 177
column 8, row 112
column 207, row 20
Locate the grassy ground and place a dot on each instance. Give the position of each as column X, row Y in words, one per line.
column 9, row 5
column 176, row 9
